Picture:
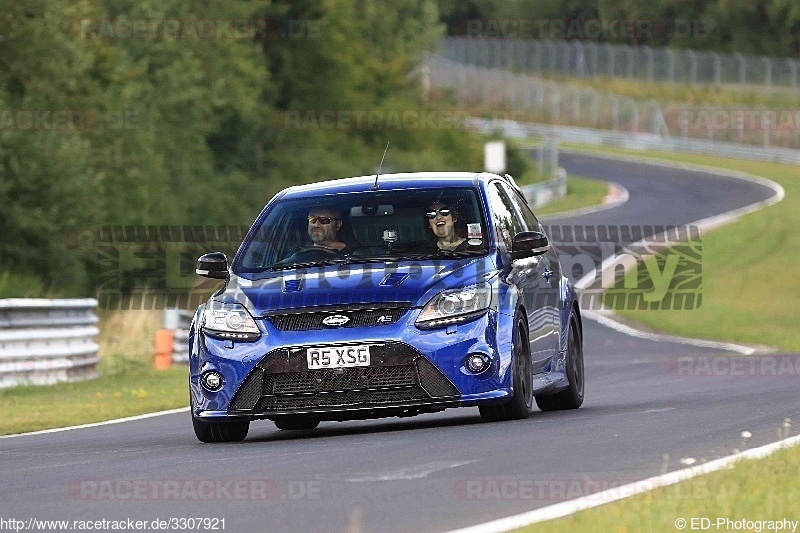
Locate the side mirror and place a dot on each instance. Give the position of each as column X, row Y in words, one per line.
column 529, row 244
column 213, row 265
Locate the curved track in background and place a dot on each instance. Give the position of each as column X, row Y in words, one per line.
column 433, row 472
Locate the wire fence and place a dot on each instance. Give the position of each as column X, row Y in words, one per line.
column 500, row 93
column 591, row 59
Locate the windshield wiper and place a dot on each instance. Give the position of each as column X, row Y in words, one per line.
column 465, row 253
column 351, row 260
column 307, row 264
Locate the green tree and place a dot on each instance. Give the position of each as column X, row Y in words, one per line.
column 47, row 89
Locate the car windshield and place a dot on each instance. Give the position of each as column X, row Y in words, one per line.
column 373, row 226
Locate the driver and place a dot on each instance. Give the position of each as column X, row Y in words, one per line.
column 323, row 225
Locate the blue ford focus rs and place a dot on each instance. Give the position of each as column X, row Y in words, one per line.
column 383, row 296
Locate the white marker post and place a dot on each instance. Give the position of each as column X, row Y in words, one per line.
column 494, row 157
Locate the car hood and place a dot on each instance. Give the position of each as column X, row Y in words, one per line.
column 408, row 282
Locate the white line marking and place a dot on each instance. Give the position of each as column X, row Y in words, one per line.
column 587, row 502
column 617, row 196
column 606, row 318
column 706, row 169
column 414, row 472
column 560, row 510
column 97, row 424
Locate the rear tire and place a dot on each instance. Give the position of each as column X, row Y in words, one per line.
column 519, row 407
column 572, row 396
column 296, row 422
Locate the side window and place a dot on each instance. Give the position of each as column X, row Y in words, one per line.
column 504, row 218
column 530, row 220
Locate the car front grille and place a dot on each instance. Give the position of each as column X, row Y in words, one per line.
column 341, row 399
column 357, row 318
column 398, row 374
column 340, row 380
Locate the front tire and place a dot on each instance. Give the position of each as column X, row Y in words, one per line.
column 572, row 396
column 209, row 432
column 519, row 407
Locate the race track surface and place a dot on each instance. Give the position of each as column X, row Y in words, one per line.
column 432, row 472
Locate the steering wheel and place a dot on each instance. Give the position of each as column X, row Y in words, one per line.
column 365, row 250
column 317, row 249
column 313, row 249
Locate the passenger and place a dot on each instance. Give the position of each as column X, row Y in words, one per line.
column 442, row 220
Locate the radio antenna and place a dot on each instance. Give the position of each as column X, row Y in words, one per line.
column 375, row 185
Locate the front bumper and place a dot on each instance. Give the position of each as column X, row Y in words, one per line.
column 397, row 376
column 417, row 371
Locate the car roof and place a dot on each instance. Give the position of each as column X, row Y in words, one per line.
column 406, row 180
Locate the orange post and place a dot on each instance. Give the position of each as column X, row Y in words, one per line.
column 163, row 343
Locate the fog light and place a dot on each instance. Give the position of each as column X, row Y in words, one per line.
column 212, row 380
column 476, row 363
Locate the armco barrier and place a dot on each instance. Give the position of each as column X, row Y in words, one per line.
column 636, row 141
column 543, row 193
column 46, row 341
column 179, row 321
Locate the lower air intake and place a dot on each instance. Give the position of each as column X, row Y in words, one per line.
column 398, row 374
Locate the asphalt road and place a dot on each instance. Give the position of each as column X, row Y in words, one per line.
column 432, row 472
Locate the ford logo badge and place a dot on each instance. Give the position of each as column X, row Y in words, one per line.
column 334, row 321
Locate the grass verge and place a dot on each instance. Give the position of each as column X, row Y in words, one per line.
column 747, row 280
column 126, row 387
column 581, row 192
column 128, row 384
column 754, row 489
column 747, row 267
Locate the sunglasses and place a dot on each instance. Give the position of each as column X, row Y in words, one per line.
column 444, row 211
column 312, row 219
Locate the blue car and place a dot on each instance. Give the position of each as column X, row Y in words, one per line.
column 390, row 295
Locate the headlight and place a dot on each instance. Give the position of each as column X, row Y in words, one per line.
column 229, row 321
column 456, row 306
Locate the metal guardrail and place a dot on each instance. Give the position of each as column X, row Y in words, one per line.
column 543, row 193
column 47, row 341
column 636, row 141
column 179, row 321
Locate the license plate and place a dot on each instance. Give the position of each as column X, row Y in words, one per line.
column 337, row 357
